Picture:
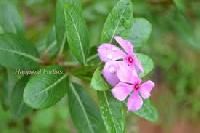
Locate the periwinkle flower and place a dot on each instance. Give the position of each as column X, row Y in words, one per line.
column 113, row 56
column 121, row 72
column 131, row 86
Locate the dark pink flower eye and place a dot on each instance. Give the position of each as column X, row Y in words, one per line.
column 130, row 59
column 136, row 86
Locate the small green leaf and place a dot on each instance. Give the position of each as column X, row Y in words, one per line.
column 140, row 31
column 46, row 88
column 98, row 82
column 18, row 108
column 16, row 52
column 148, row 111
column 77, row 33
column 48, row 44
column 119, row 21
column 60, row 23
column 10, row 20
column 84, row 72
column 147, row 64
column 112, row 112
column 84, row 113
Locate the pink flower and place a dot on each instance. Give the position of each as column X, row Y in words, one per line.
column 130, row 86
column 115, row 57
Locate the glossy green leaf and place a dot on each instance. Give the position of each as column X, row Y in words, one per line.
column 46, row 88
column 98, row 82
column 84, row 113
column 148, row 111
column 147, row 64
column 112, row 112
column 119, row 21
column 77, row 34
column 140, row 31
column 16, row 52
column 10, row 20
column 18, row 108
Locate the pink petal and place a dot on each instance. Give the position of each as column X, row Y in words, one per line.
column 108, row 52
column 121, row 91
column 125, row 44
column 110, row 72
column 145, row 89
column 135, row 102
column 127, row 74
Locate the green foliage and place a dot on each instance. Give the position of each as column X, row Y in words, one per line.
column 98, row 82
column 77, row 34
column 146, row 62
column 148, row 111
column 19, row 52
column 60, row 23
column 48, row 44
column 118, row 22
column 10, row 20
column 55, row 65
column 45, row 89
column 112, row 112
column 17, row 106
column 140, row 31
column 84, row 113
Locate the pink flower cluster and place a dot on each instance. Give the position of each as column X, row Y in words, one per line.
column 121, row 72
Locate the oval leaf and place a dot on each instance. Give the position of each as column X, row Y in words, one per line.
column 112, row 112
column 60, row 20
column 77, row 34
column 119, row 21
column 140, row 31
column 48, row 44
column 46, row 88
column 60, row 23
column 147, row 64
column 148, row 112
column 15, row 52
column 18, row 108
column 10, row 20
column 83, row 111
column 98, row 82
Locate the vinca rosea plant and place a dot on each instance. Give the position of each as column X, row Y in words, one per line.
column 102, row 86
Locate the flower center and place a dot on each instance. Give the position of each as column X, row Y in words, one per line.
column 130, row 59
column 137, row 86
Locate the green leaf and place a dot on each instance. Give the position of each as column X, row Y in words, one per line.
column 84, row 72
column 10, row 20
column 147, row 64
column 18, row 108
column 119, row 21
column 48, row 44
column 15, row 52
column 112, row 112
column 98, row 82
column 84, row 113
column 77, row 34
column 46, row 88
column 140, row 31
column 180, row 5
column 60, row 23
column 148, row 111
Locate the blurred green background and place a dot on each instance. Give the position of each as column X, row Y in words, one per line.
column 174, row 46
